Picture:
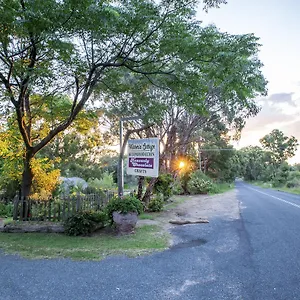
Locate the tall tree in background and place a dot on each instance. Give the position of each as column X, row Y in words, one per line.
column 279, row 145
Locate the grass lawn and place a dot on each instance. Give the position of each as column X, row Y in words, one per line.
column 148, row 216
column 39, row 245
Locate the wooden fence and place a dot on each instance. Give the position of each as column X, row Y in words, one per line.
column 26, row 209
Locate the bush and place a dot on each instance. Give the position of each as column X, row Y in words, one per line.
column 123, row 205
column 156, row 203
column 294, row 175
column 199, row 183
column 163, row 185
column 6, row 210
column 293, row 183
column 177, row 188
column 106, row 182
column 84, row 222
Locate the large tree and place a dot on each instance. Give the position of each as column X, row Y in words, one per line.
column 280, row 146
column 75, row 47
column 219, row 84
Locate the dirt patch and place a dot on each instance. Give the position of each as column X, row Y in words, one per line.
column 197, row 208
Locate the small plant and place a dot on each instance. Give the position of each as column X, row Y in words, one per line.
column 156, row 203
column 84, row 222
column 163, row 185
column 6, row 210
column 123, row 205
column 177, row 188
column 106, row 182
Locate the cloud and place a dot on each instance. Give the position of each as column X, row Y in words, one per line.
column 279, row 111
column 286, row 98
column 269, row 116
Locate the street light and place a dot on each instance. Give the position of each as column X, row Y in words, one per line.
column 121, row 158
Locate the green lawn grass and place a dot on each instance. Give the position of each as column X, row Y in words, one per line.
column 148, row 216
column 38, row 245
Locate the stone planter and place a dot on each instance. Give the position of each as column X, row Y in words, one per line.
column 125, row 223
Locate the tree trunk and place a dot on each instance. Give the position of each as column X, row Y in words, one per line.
column 27, row 178
column 27, row 175
column 140, row 187
column 146, row 197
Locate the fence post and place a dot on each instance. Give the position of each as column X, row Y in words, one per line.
column 49, row 210
column 78, row 204
column 26, row 204
column 16, row 202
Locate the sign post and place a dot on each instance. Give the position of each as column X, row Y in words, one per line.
column 143, row 157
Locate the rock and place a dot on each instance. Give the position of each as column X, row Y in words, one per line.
column 67, row 183
column 184, row 222
column 125, row 223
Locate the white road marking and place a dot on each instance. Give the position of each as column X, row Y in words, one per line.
column 279, row 199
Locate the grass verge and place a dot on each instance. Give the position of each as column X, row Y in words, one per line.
column 268, row 185
column 38, row 245
column 175, row 201
column 148, row 216
column 222, row 188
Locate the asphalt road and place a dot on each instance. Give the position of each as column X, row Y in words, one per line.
column 254, row 257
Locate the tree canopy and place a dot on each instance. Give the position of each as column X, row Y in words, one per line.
column 91, row 51
column 280, row 146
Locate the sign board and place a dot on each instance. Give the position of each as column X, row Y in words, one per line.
column 143, row 157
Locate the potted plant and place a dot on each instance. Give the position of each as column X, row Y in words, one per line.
column 123, row 212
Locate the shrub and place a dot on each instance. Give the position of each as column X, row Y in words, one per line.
column 84, row 222
column 294, row 175
column 123, row 205
column 199, row 183
column 163, row 185
column 105, row 182
column 177, row 188
column 6, row 210
column 293, row 183
column 156, row 203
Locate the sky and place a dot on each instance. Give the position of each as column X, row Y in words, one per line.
column 277, row 24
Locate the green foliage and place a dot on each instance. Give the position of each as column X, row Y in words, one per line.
column 294, row 175
column 123, row 205
column 6, row 210
column 105, row 183
column 84, row 222
column 116, row 43
column 156, row 203
column 163, row 185
column 281, row 147
column 177, row 188
column 281, row 175
column 293, row 183
column 199, row 183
